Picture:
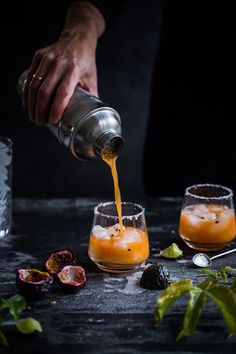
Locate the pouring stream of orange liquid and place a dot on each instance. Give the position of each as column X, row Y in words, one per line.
column 110, row 159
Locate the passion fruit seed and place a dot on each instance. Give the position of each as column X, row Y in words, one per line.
column 32, row 283
column 58, row 259
column 71, row 278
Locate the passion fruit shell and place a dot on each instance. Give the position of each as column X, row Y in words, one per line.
column 72, row 278
column 57, row 260
column 155, row 277
column 32, row 283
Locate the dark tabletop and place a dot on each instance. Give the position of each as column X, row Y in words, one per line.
column 112, row 313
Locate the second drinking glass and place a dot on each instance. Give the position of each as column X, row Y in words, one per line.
column 207, row 220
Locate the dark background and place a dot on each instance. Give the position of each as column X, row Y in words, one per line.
column 125, row 56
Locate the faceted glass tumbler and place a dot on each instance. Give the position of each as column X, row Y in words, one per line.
column 5, row 186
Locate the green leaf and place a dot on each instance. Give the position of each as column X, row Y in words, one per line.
column 222, row 273
column 2, row 304
column 206, row 284
column 3, row 339
column 233, row 286
column 1, row 319
column 226, row 302
column 170, row 295
column 208, row 271
column 227, row 268
column 173, row 251
column 196, row 302
column 16, row 304
column 213, row 276
column 28, row 325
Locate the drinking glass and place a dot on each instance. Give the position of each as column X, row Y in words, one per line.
column 5, row 185
column 207, row 219
column 112, row 251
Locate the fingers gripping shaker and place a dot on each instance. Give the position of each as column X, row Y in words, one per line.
column 88, row 125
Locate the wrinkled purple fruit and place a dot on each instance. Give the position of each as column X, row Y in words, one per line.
column 57, row 260
column 33, row 283
column 72, row 278
column 155, row 277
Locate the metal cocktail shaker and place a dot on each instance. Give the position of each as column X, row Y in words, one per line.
column 88, row 125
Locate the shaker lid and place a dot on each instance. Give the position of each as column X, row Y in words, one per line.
column 111, row 142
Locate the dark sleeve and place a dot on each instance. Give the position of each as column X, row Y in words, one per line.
column 110, row 9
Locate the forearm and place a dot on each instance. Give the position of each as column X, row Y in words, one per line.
column 56, row 70
column 83, row 18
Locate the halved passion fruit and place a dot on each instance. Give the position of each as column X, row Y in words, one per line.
column 57, row 260
column 32, row 283
column 71, row 278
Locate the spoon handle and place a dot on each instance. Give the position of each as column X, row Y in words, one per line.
column 223, row 254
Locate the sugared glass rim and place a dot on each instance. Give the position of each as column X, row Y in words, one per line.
column 97, row 212
column 6, row 141
column 211, row 185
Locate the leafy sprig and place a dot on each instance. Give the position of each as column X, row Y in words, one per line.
column 214, row 286
column 15, row 305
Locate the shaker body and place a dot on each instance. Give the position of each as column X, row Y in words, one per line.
column 87, row 126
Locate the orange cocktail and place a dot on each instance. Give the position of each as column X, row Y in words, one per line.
column 112, row 250
column 208, row 224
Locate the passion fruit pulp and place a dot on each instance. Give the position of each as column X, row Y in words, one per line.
column 59, row 259
column 32, row 283
column 72, row 278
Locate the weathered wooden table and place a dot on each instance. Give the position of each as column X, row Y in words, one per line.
column 112, row 313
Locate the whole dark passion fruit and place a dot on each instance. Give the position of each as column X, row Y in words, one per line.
column 71, row 278
column 57, row 260
column 155, row 277
column 32, row 283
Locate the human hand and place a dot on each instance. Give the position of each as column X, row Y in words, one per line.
column 57, row 69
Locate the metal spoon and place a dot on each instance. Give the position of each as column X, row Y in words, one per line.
column 203, row 260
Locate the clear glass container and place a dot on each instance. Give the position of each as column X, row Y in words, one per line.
column 115, row 251
column 5, row 186
column 207, row 220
